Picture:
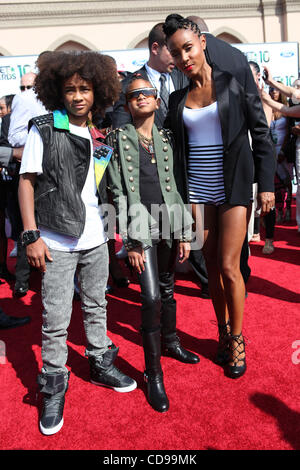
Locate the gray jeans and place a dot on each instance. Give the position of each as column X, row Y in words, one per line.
column 57, row 295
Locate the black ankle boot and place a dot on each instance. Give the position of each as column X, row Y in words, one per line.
column 53, row 387
column 7, row 321
column 153, row 375
column 170, row 342
column 171, row 347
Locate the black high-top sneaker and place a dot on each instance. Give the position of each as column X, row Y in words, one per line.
column 53, row 387
column 104, row 373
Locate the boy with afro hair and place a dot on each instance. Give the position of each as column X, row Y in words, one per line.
column 62, row 187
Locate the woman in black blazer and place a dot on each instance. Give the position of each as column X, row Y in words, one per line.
column 236, row 109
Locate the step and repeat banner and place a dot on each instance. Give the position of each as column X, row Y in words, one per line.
column 12, row 68
column 281, row 58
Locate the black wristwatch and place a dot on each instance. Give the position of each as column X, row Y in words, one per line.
column 29, row 236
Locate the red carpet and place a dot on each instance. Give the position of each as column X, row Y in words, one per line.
column 207, row 410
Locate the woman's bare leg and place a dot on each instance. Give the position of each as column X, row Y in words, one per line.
column 232, row 222
column 224, row 234
column 210, row 248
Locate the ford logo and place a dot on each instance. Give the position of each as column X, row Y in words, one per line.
column 287, row 54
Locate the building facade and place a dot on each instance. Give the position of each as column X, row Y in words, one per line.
column 30, row 27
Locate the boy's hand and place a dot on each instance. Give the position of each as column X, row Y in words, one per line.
column 137, row 259
column 37, row 253
column 17, row 153
column 184, row 251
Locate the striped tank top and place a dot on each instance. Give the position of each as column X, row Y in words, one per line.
column 205, row 160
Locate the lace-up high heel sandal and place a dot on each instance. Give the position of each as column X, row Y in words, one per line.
column 223, row 354
column 237, row 364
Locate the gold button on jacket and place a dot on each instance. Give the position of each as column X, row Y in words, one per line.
column 121, row 175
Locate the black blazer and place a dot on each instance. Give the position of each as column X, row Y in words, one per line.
column 229, row 59
column 240, row 111
column 120, row 116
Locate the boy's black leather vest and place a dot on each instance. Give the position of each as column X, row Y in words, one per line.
column 57, row 193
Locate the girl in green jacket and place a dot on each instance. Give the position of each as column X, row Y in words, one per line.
column 153, row 223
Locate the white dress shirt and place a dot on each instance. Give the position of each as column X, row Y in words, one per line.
column 154, row 77
column 25, row 106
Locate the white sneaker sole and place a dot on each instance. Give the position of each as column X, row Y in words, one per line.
column 129, row 388
column 54, row 430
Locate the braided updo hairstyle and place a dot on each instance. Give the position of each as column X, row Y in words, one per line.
column 174, row 22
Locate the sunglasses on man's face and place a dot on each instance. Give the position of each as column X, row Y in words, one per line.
column 25, row 87
column 134, row 94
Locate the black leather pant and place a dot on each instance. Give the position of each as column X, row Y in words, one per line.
column 157, row 287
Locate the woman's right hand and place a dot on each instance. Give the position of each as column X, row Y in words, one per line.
column 265, row 202
column 137, row 259
column 37, row 253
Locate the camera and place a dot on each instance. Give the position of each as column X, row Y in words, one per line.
column 265, row 75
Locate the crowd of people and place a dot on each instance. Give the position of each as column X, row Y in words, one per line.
column 191, row 153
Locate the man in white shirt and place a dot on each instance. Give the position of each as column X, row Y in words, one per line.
column 8, row 321
column 25, row 106
column 160, row 71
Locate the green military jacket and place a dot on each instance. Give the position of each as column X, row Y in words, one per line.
column 123, row 175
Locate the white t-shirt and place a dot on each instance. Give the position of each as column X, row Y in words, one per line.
column 93, row 234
